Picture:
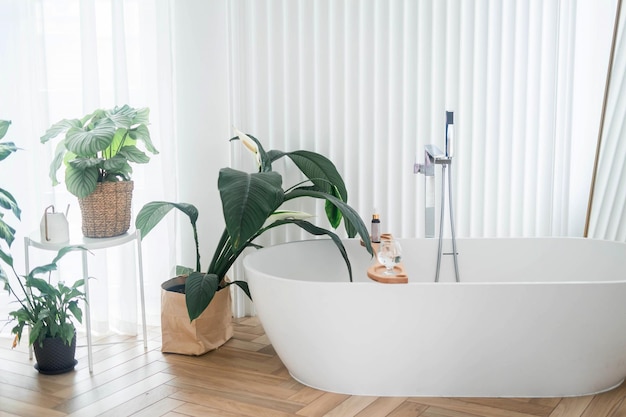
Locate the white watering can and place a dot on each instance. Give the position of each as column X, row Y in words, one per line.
column 54, row 227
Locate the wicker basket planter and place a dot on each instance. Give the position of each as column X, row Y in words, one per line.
column 107, row 211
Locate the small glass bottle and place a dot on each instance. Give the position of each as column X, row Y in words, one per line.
column 375, row 231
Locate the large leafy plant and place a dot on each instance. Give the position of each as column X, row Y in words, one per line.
column 251, row 206
column 7, row 203
column 100, row 147
column 47, row 309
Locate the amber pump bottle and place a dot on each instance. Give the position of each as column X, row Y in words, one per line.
column 375, row 231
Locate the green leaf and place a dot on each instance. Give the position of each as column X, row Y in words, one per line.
column 323, row 174
column 4, row 126
column 318, row 231
column 81, row 163
column 247, row 201
column 183, row 270
column 60, row 154
column 76, row 311
column 88, row 142
column 42, row 286
column 6, row 258
column 152, row 213
column 133, row 154
column 68, row 249
column 7, row 233
column 199, row 291
column 241, row 284
column 122, row 117
column 116, row 164
column 60, row 127
column 7, row 201
column 354, row 223
column 142, row 134
column 81, row 183
column 6, row 149
column 4, row 279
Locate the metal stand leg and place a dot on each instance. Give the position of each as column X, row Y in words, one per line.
column 27, row 270
column 141, row 289
column 87, row 311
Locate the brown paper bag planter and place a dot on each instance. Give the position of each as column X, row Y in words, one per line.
column 209, row 331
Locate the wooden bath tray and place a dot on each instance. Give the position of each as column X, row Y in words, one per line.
column 375, row 271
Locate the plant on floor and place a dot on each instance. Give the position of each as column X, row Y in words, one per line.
column 250, row 204
column 47, row 309
column 100, row 147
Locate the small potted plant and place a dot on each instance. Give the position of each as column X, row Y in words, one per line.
column 45, row 308
column 96, row 151
column 48, row 310
column 251, row 206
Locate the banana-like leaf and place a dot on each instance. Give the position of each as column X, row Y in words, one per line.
column 152, row 213
column 318, row 231
column 247, row 201
column 241, row 284
column 323, row 174
column 68, row 249
column 200, row 288
column 350, row 216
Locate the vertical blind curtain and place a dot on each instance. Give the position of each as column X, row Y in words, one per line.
column 63, row 59
column 608, row 211
column 367, row 83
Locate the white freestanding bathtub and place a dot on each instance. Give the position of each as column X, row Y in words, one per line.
column 532, row 317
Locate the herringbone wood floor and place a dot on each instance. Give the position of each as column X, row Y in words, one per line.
column 242, row 378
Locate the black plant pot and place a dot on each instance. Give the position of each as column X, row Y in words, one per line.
column 54, row 356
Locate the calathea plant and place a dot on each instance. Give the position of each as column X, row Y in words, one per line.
column 251, row 206
column 100, row 147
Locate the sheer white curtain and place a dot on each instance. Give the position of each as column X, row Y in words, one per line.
column 367, row 83
column 63, row 59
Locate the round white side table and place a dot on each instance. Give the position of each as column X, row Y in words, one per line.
column 34, row 240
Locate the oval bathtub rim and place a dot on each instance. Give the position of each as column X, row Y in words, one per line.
column 246, row 264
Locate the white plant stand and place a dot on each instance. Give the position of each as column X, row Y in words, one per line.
column 34, row 240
